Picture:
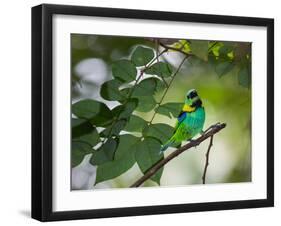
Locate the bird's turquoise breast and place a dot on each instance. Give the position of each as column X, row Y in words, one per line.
column 191, row 125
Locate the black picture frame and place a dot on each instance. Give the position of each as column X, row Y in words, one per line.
column 42, row 111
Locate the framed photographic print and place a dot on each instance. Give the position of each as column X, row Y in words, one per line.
column 145, row 112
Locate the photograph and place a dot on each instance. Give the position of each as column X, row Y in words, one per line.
column 159, row 112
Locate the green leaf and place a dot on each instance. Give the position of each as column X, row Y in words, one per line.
column 110, row 90
column 224, row 67
column 90, row 138
column 124, row 70
column 160, row 131
column 80, row 127
column 123, row 161
column 142, row 56
column 244, row 77
column 114, row 129
column 200, row 49
column 96, row 112
column 225, row 49
column 183, row 45
column 78, row 151
column 105, row 153
column 124, row 111
column 127, row 143
column 161, row 69
column 147, row 155
column 135, row 124
column 146, row 103
column 170, row 109
column 160, row 85
column 146, row 87
column 83, row 131
column 214, row 47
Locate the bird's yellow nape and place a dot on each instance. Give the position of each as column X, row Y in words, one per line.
column 187, row 108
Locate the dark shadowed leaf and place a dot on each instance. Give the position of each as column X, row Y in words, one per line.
column 123, row 161
column 80, row 127
column 124, row 111
column 78, row 151
column 110, row 90
column 244, row 77
column 161, row 69
column 135, row 124
column 159, row 131
column 147, row 155
column 114, row 128
column 170, row 109
column 142, row 56
column 86, row 133
column 200, row 49
column 224, row 67
column 124, row 70
column 105, row 153
column 96, row 112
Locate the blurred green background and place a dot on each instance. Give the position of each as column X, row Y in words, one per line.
column 223, row 98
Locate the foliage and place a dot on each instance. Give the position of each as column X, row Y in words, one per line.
column 124, row 138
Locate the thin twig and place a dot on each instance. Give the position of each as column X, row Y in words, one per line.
column 167, row 88
column 212, row 46
column 153, row 169
column 175, row 49
column 207, row 160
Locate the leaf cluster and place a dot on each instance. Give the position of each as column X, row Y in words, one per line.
column 124, row 138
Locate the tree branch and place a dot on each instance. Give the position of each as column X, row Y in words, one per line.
column 207, row 160
column 208, row 133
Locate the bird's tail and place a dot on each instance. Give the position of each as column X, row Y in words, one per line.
column 166, row 145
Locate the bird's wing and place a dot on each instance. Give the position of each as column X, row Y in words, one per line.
column 180, row 119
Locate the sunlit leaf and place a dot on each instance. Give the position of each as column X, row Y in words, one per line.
column 200, row 49
column 124, row 70
column 182, row 45
column 142, row 56
column 147, row 154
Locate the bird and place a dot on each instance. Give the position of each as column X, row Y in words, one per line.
column 190, row 121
